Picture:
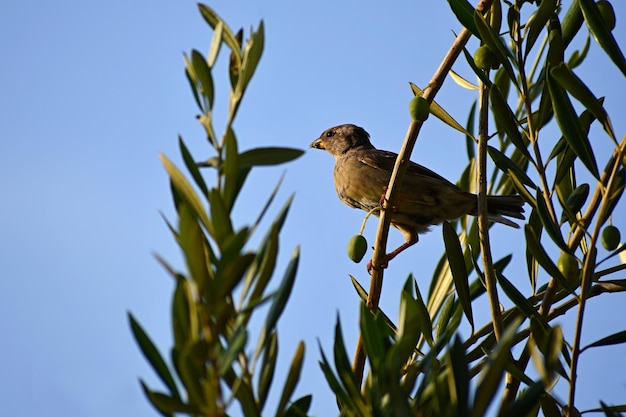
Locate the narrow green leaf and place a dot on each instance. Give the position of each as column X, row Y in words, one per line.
column 602, row 34
column 423, row 315
column 235, row 345
column 521, row 190
column 575, row 202
column 300, row 407
column 252, row 54
column 192, row 167
column 165, row 404
column 203, row 74
column 464, row 12
column 456, row 261
column 342, row 364
column 194, row 246
column 469, row 139
column 575, row 86
column 571, row 127
column 548, row 223
column 572, row 22
column 460, row 374
column 292, row 379
column 578, row 57
column 216, row 43
column 231, row 171
column 268, row 367
column 343, row 398
column 538, row 252
column 153, row 356
column 268, row 156
column 614, row 339
column 374, row 336
column 537, row 22
column 220, row 218
column 280, row 300
column 214, row 20
column 186, row 192
column 184, row 314
column 491, row 376
column 505, row 165
column 506, row 120
column 519, row 300
column 526, row 402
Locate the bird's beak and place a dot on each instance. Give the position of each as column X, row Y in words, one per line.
column 317, row 144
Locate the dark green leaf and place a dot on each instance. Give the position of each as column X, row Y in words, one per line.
column 575, row 86
column 538, row 21
column 193, row 244
column 464, row 12
column 577, row 57
column 184, row 314
column 342, row 364
column 374, row 336
column 571, row 127
column 506, row 120
column 220, row 218
column 192, row 167
column 300, row 407
column 234, row 347
column 456, row 261
column 492, row 373
column 203, row 74
column 614, row 339
column 268, row 367
column 572, row 22
column 423, row 315
column 549, row 223
column 292, row 378
column 282, row 295
column 153, row 356
column 185, row 191
column 230, row 174
column 601, row 33
column 165, row 404
column 528, row 401
column 505, row 164
column 537, row 251
column 268, row 156
column 461, row 375
column 469, row 140
column 518, row 299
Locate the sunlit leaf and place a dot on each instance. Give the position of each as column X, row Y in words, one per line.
column 438, row 111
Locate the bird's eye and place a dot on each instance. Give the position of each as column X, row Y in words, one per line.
column 330, row 134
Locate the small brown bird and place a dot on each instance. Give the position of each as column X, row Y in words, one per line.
column 362, row 175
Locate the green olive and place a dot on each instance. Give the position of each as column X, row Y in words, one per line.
column 484, row 58
column 419, row 109
column 610, row 238
column 607, row 12
column 357, row 246
column 568, row 265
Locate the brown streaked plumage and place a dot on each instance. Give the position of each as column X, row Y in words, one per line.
column 362, row 175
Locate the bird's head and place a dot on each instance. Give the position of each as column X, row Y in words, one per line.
column 340, row 139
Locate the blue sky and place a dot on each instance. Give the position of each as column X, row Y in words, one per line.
column 91, row 92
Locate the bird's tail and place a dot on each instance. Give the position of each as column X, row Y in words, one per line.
column 499, row 206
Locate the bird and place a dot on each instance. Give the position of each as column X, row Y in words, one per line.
column 425, row 199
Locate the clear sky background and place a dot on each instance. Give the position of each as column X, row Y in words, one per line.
column 91, row 92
